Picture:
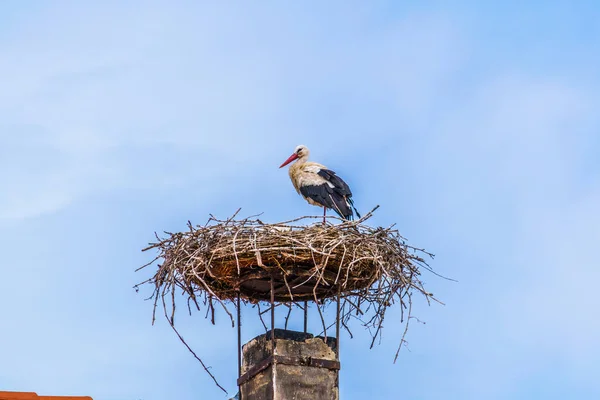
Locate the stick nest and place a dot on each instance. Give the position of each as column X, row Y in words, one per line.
column 370, row 269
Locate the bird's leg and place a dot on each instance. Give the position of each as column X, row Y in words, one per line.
column 324, row 214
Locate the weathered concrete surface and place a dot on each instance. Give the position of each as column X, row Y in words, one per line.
column 281, row 380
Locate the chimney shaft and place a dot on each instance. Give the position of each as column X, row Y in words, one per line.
column 296, row 366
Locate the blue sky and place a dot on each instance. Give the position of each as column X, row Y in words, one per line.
column 475, row 127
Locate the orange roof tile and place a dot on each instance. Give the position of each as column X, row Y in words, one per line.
column 34, row 396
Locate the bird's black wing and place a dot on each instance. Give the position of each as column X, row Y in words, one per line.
column 335, row 198
column 342, row 194
column 328, row 197
column 319, row 193
column 339, row 185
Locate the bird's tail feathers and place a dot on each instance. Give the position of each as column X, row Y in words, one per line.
column 351, row 202
column 343, row 207
column 338, row 211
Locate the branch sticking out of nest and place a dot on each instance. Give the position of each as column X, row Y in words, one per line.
column 372, row 268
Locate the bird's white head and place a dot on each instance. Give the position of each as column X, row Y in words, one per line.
column 301, row 152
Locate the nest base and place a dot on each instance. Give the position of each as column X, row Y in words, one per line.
column 296, row 283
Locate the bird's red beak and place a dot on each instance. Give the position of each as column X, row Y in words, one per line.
column 289, row 160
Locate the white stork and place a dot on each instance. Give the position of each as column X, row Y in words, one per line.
column 320, row 186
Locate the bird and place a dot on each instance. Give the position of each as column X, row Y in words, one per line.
column 319, row 185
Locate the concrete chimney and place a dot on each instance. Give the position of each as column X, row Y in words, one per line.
column 295, row 366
